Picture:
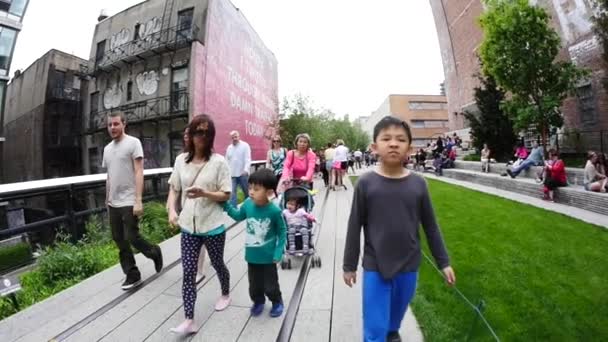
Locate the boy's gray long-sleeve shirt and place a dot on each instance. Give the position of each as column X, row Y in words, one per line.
column 390, row 212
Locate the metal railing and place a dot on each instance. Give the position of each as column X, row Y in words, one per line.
column 79, row 196
column 579, row 142
column 71, row 94
column 174, row 105
column 172, row 38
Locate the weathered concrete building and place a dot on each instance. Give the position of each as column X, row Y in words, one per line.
column 460, row 36
column 43, row 119
column 426, row 114
column 163, row 61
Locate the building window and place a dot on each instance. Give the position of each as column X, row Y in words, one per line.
column 76, row 83
column 434, row 124
column 419, row 105
column 180, row 79
column 417, row 123
column 586, row 103
column 184, row 18
column 5, row 5
column 184, row 25
column 17, row 7
column 101, row 51
column 136, row 33
column 179, row 97
column 59, row 78
column 95, row 102
column 94, row 160
column 429, row 123
column 7, row 42
column 129, row 90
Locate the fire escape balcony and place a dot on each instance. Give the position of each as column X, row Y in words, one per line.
column 171, row 39
column 68, row 94
column 175, row 105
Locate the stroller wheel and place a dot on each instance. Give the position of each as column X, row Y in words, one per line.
column 288, row 264
column 313, row 263
column 283, row 265
column 319, row 262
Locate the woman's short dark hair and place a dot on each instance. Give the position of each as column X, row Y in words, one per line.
column 209, row 127
column 389, row 121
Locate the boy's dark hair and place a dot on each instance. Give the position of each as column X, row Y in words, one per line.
column 330, row 145
column 389, row 121
column 264, row 178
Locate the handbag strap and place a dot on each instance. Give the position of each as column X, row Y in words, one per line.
column 198, row 173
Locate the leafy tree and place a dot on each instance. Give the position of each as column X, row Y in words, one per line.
column 491, row 125
column 519, row 51
column 298, row 115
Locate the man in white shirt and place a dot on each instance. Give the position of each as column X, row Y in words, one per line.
column 238, row 155
column 123, row 158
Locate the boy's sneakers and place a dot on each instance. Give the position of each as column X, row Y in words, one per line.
column 131, row 282
column 393, row 336
column 257, row 309
column 277, row 310
column 510, row 173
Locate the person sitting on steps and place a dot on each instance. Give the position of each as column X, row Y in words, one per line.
column 534, row 159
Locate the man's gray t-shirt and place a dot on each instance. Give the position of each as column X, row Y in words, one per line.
column 391, row 212
column 118, row 159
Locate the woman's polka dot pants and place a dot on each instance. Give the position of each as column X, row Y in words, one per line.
column 191, row 247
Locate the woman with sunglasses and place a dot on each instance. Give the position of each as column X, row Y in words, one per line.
column 204, row 179
column 276, row 158
column 200, row 271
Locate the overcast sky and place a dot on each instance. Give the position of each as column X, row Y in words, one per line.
column 346, row 55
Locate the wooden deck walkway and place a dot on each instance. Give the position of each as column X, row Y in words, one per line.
column 98, row 310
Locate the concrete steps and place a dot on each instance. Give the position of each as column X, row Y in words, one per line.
column 572, row 195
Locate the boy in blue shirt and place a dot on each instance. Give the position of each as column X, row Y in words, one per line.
column 265, row 241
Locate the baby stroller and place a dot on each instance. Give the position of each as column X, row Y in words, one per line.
column 302, row 194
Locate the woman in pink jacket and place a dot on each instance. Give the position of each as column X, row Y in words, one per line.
column 300, row 163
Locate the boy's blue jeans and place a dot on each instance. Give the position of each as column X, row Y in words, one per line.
column 385, row 303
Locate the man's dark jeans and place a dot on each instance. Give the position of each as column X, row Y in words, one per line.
column 125, row 232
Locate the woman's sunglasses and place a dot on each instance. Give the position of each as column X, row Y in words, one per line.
column 199, row 133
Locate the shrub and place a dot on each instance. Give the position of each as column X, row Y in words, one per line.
column 472, row 157
column 15, row 255
column 65, row 264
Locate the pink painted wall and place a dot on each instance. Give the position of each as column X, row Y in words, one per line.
column 197, row 79
column 241, row 81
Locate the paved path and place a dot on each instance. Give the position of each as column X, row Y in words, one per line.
column 98, row 310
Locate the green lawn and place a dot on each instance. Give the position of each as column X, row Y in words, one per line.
column 541, row 275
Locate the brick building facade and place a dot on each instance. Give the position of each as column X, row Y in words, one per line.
column 460, row 36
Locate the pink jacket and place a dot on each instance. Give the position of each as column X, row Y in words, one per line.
column 295, row 167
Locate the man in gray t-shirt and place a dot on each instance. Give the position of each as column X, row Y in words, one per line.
column 123, row 158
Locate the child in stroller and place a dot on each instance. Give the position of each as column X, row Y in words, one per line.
column 300, row 195
column 298, row 222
